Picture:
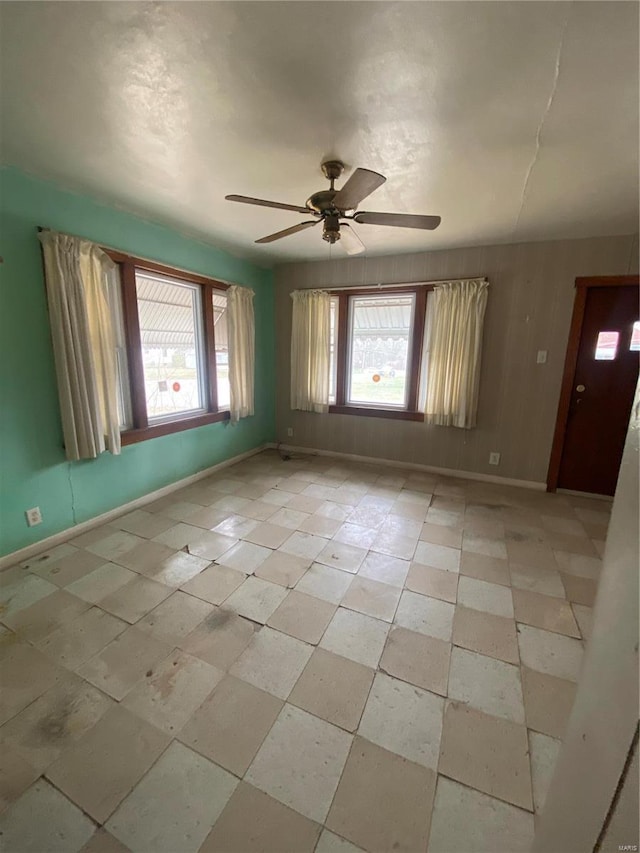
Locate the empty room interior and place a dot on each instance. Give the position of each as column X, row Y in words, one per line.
column 320, row 421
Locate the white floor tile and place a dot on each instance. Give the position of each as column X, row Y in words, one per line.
column 356, row 636
column 554, row 654
column 426, row 615
column 273, row 662
column 487, row 684
column 489, row 597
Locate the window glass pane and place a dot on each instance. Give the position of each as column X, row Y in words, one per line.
column 170, row 315
column 332, row 349
column 607, row 346
column 380, row 338
column 222, row 348
column 635, row 337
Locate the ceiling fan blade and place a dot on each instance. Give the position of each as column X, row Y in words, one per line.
column 361, row 184
column 398, row 220
column 350, row 241
column 293, row 230
column 245, row 199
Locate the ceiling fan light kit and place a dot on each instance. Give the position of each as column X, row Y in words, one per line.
column 332, row 207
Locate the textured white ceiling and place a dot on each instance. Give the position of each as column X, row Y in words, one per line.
column 511, row 120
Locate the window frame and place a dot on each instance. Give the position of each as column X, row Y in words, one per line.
column 414, row 356
column 141, row 429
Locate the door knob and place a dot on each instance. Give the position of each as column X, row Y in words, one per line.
column 580, row 388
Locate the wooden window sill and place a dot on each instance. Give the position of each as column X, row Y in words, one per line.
column 366, row 412
column 132, row 436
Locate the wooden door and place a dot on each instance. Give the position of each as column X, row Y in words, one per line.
column 598, row 401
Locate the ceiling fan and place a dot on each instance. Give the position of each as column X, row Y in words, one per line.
column 332, row 207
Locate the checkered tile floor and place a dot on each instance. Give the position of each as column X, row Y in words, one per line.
column 297, row 656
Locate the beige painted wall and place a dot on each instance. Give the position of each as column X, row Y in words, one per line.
column 529, row 309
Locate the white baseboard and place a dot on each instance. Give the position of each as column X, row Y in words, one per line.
column 415, row 466
column 57, row 538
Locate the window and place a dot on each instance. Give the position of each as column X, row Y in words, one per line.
column 173, row 355
column 377, row 337
column 634, row 346
column 607, row 346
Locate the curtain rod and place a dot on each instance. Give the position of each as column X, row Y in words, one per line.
column 380, row 286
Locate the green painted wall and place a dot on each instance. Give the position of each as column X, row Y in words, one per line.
column 33, row 469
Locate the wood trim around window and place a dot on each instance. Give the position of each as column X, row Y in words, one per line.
column 414, row 357
column 141, row 430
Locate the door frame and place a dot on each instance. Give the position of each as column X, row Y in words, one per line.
column 582, row 284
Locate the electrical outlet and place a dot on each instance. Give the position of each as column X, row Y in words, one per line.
column 34, row 516
column 542, row 356
column 494, row 459
column 290, row 432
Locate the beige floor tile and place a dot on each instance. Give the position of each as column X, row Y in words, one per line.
column 303, row 503
column 290, row 518
column 334, row 688
column 256, row 599
column 326, row 583
column 179, row 568
column 73, row 566
column 179, row 536
column 488, row 597
column 114, row 545
column 437, row 534
column 573, row 544
column 583, row 617
column 178, row 686
column 369, row 516
column 320, row 525
column 383, row 568
column 235, row 526
column 401, row 525
column 372, row 598
column 337, row 555
column 245, row 557
column 220, row 638
column 16, row 775
column 101, row 582
column 403, row 719
column 356, row 636
column 135, row 599
column 433, row 582
column 46, row 615
column 486, row 753
column 564, row 526
column 121, row 664
column 210, row 545
column 145, row 557
column 25, row 674
column 554, row 654
column 438, row 556
column 482, row 632
column 214, row 584
column 209, row 517
column 383, row 802
column 46, row 557
column 175, row 805
column 426, row 615
column 485, row 568
column 579, row 590
column 284, row 569
column 487, row 684
column 530, row 553
column 143, row 523
column 103, row 842
column 300, row 762
column 273, row 828
column 175, row 618
column 461, row 814
column 534, row 579
column 484, row 545
column 304, row 545
column 544, row 754
column 332, row 843
column 100, row 769
column 394, row 544
column 273, row 662
column 43, row 819
column 445, row 518
column 78, row 641
column 578, row 565
column 269, row 534
column 302, row 616
column 544, row 611
column 354, row 534
column 42, row 732
column 418, row 659
column 21, row 590
column 547, row 702
column 230, row 726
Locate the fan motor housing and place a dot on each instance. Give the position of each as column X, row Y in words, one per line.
column 331, row 230
column 322, row 202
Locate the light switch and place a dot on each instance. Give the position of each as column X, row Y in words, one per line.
column 542, row 356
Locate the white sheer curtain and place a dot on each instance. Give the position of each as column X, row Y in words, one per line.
column 242, row 334
column 84, row 346
column 310, row 342
column 454, row 348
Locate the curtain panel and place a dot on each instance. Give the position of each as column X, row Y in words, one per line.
column 242, row 334
column 310, row 356
column 84, row 346
column 453, row 353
